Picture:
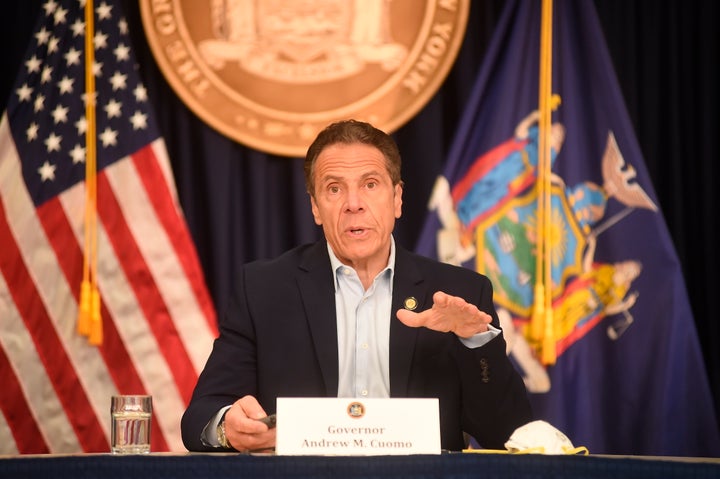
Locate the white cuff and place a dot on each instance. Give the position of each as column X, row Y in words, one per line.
column 209, row 433
column 481, row 339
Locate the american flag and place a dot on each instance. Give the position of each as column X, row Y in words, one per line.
column 158, row 319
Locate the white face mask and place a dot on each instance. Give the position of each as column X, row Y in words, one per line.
column 539, row 437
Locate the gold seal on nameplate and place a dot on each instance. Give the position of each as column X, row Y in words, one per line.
column 272, row 73
column 356, row 410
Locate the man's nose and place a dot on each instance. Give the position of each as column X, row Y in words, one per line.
column 354, row 201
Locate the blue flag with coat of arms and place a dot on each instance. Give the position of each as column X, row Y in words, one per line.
column 628, row 375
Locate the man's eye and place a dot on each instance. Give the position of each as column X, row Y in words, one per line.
column 371, row 185
column 333, row 189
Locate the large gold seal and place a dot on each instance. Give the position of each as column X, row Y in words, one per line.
column 271, row 73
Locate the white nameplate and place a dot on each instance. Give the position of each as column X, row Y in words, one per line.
column 357, row 427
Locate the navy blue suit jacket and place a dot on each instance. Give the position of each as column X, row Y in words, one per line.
column 279, row 339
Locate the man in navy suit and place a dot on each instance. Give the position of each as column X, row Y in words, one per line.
column 356, row 315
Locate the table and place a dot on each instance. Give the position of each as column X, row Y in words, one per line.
column 452, row 466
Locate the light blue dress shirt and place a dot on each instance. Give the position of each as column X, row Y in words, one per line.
column 363, row 326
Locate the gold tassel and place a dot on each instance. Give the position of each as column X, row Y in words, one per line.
column 537, row 321
column 83, row 325
column 96, row 329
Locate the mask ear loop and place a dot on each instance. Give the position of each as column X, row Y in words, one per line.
column 530, row 450
column 486, row 451
column 576, row 450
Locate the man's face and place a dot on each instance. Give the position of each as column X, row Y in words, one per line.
column 356, row 203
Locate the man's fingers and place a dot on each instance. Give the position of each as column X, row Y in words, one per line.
column 409, row 318
column 252, row 426
column 254, row 442
column 446, row 301
column 441, row 299
column 251, row 407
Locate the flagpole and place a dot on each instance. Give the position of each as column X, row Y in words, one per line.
column 542, row 321
column 89, row 319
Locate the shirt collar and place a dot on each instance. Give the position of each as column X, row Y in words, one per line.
column 336, row 264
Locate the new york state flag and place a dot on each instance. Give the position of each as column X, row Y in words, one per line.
column 627, row 375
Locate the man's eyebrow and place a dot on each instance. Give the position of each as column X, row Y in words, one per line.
column 333, row 178
column 328, row 178
column 372, row 173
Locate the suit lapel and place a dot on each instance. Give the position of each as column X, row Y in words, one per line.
column 407, row 283
column 315, row 282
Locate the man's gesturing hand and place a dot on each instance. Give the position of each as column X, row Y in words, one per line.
column 448, row 313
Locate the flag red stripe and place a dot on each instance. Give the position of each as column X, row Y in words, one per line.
column 60, row 371
column 146, row 291
column 113, row 350
column 25, row 430
column 483, row 164
column 162, row 199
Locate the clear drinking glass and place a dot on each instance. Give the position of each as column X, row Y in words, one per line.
column 130, row 424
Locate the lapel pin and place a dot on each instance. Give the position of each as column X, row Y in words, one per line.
column 411, row 303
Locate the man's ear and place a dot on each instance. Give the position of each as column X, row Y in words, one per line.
column 315, row 211
column 398, row 200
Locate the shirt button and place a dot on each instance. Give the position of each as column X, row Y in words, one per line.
column 364, row 392
column 364, row 345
